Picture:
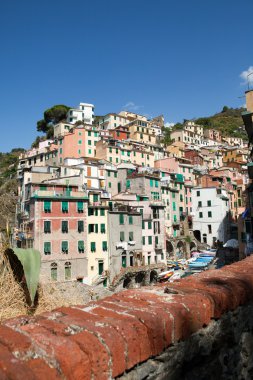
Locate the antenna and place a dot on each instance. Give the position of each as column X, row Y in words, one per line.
column 248, row 78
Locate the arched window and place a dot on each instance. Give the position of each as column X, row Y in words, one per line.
column 54, row 272
column 67, row 270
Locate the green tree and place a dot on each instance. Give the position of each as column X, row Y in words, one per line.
column 52, row 116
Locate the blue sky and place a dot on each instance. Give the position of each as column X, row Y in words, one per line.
column 180, row 58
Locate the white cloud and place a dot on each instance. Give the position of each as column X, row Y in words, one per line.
column 246, row 77
column 131, row 106
column 169, row 125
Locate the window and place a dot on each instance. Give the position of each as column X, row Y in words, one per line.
column 150, row 225
column 47, row 248
column 89, row 133
column 115, row 174
column 102, row 228
column 102, row 212
column 128, row 184
column 93, row 228
column 109, row 185
column 199, row 204
column 181, row 198
column 201, row 214
column 121, row 219
column 80, row 206
column 93, row 246
column 209, row 228
column 150, row 240
column 80, row 226
column 131, row 236
column 95, row 197
column 64, row 206
column 64, row 247
column 173, row 195
column 64, row 226
column 104, row 246
column 81, row 246
column 47, row 227
column 79, row 142
column 151, row 182
column 209, row 214
column 143, row 240
column 156, row 183
column 174, row 206
column 122, row 236
column 209, row 203
column 54, row 272
column 130, row 219
column 47, row 206
column 198, row 193
column 89, row 142
column 143, row 225
column 67, row 268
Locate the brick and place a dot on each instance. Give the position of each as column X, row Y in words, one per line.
column 14, row 340
column 12, row 368
column 42, row 371
column 73, row 362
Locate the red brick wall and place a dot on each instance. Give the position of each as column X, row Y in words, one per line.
column 105, row 338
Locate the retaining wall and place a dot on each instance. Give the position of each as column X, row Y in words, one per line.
column 197, row 328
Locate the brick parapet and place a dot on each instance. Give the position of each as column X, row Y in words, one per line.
column 106, row 338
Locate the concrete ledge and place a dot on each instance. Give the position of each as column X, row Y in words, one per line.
column 107, row 338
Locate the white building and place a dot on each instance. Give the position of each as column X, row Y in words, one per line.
column 84, row 112
column 210, row 208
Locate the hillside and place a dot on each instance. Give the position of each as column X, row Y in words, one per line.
column 8, row 186
column 228, row 122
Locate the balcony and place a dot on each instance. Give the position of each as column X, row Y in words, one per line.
column 121, row 245
column 156, row 203
column 131, row 242
column 105, row 195
column 54, row 194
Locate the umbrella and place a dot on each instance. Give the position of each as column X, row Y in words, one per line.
column 232, row 243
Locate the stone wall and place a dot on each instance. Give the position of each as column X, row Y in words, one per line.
column 197, row 328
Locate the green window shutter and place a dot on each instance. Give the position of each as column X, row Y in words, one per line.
column 110, row 150
column 47, row 227
column 201, row 215
column 95, row 197
column 96, row 228
column 151, row 182
column 143, row 225
column 109, row 174
column 156, row 240
column 102, row 212
column 174, row 206
column 109, row 184
column 90, row 211
column 47, row 248
column 64, row 226
column 143, row 240
column 80, row 206
column 80, row 246
column 131, row 236
column 102, row 228
column 128, row 184
column 121, row 219
column 64, row 246
column 89, row 133
column 181, row 198
column 90, row 228
column 122, row 235
column 80, row 226
column 209, row 203
column 150, row 240
column 89, row 142
column 209, row 214
column 104, row 246
column 115, row 174
column 123, row 258
column 150, row 225
column 173, row 195
column 96, row 212
column 64, row 206
column 43, row 187
column 47, row 206
column 156, row 183
column 93, row 246
column 130, row 219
